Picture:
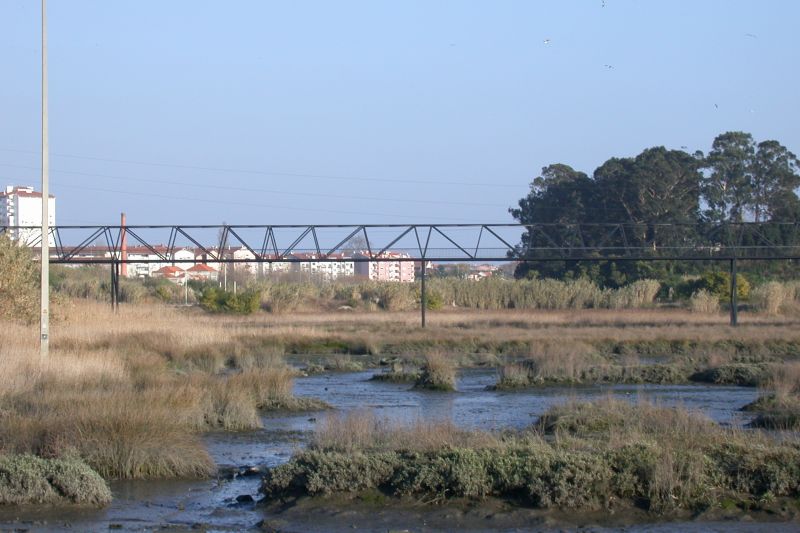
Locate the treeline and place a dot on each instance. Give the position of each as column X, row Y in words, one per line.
column 739, row 180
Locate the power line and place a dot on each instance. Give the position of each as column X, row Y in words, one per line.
column 249, row 204
column 251, row 189
column 273, row 173
column 323, row 195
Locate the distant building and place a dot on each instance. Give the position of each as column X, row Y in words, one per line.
column 328, row 270
column 22, row 206
column 202, row 273
column 386, row 270
column 171, row 273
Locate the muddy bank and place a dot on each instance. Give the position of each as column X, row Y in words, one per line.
column 371, row 511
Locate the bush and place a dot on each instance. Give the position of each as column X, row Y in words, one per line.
column 26, row 479
column 19, row 282
column 718, row 283
column 219, row 301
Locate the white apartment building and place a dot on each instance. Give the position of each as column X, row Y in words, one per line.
column 22, row 206
column 328, row 270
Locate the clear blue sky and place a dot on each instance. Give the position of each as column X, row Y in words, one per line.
column 373, row 111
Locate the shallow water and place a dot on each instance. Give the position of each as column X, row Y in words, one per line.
column 141, row 505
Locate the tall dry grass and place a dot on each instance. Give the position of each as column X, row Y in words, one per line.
column 560, row 361
column 785, row 382
column 362, row 430
column 129, row 394
column 776, row 297
column 703, row 301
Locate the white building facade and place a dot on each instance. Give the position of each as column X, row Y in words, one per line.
column 22, row 206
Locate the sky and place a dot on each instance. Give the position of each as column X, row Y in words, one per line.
column 353, row 112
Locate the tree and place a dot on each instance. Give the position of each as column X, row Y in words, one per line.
column 775, row 177
column 728, row 188
column 19, row 282
column 658, row 186
column 560, row 195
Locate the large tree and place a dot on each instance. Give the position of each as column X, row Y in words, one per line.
column 657, row 187
column 728, row 186
column 560, row 196
column 775, row 177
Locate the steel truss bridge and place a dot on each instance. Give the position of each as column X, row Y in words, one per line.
column 422, row 243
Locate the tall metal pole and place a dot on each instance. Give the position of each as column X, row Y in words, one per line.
column 44, row 315
column 423, row 301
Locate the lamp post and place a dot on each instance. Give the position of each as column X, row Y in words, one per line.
column 44, row 316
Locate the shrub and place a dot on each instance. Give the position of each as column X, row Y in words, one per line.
column 19, row 282
column 219, row 301
column 26, row 480
column 718, row 283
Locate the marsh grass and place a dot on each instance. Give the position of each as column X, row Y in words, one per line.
column 580, row 455
column 362, row 430
column 131, row 397
column 778, row 406
column 438, row 373
column 703, row 301
column 172, row 371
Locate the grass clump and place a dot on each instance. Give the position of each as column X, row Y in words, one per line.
column 703, row 301
column 586, row 456
column 743, row 374
column 778, row 406
column 25, row 479
column 438, row 373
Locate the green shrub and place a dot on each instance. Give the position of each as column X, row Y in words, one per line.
column 718, row 283
column 218, row 301
column 26, row 479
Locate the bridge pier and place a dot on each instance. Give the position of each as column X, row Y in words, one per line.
column 734, row 303
column 115, row 285
column 423, row 300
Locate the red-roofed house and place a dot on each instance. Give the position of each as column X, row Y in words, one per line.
column 171, row 273
column 201, row 272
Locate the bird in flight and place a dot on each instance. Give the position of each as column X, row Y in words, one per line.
column 716, row 106
column 546, row 41
column 751, row 35
column 609, row 66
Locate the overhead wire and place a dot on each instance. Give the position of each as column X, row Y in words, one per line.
column 252, row 189
column 274, row 173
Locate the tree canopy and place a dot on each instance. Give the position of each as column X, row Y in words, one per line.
column 739, row 180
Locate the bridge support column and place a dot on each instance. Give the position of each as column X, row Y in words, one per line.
column 734, row 304
column 423, row 300
column 115, row 285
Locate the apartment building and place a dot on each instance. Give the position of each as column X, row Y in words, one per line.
column 328, row 270
column 401, row 271
column 22, row 206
